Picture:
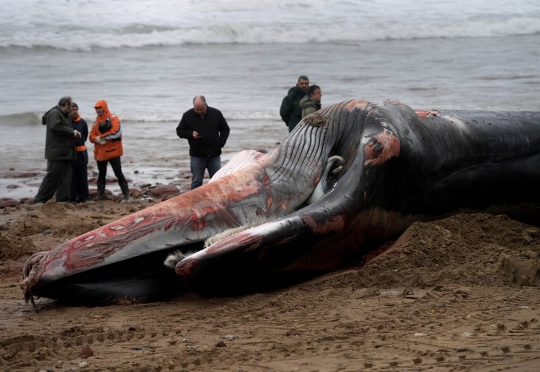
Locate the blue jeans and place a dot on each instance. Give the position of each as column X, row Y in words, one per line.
column 199, row 165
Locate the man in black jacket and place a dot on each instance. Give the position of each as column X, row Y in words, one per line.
column 207, row 131
column 290, row 110
column 59, row 152
column 79, row 166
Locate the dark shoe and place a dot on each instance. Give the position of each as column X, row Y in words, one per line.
column 101, row 191
column 125, row 191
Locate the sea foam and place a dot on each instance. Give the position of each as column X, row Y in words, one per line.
column 150, row 23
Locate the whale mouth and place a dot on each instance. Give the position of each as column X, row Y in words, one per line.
column 324, row 187
column 29, row 274
column 145, row 277
column 131, row 259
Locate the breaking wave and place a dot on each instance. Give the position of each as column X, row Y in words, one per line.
column 137, row 36
column 34, row 118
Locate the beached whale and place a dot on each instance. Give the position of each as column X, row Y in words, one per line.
column 349, row 177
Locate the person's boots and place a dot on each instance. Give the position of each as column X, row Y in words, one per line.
column 125, row 191
column 100, row 191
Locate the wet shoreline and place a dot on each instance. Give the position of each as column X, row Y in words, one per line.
column 153, row 156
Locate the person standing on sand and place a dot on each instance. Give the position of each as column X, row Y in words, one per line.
column 312, row 101
column 79, row 166
column 207, row 131
column 290, row 110
column 59, row 152
column 106, row 135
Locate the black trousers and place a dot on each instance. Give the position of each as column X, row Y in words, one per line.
column 79, row 183
column 116, row 167
column 57, row 179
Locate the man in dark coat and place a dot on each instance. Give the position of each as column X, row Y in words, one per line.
column 207, row 131
column 290, row 110
column 59, row 152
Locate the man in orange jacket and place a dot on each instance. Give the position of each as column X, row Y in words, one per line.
column 106, row 135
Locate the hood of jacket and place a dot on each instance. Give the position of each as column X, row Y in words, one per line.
column 106, row 113
column 308, row 102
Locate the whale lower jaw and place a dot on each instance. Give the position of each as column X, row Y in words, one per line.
column 282, row 250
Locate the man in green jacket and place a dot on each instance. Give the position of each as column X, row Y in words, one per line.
column 312, row 101
column 59, row 152
column 290, row 110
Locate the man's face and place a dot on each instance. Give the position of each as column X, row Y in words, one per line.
column 99, row 111
column 303, row 84
column 66, row 108
column 74, row 112
column 317, row 95
column 200, row 107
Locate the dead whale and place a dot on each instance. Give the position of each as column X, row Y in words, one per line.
column 349, row 177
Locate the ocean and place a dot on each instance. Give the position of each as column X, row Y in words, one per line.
column 149, row 58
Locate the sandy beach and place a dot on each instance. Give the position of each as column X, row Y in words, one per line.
column 457, row 294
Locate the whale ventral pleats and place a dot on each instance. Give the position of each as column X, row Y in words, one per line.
column 317, row 120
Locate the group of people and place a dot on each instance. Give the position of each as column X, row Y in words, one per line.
column 300, row 101
column 67, row 156
column 204, row 127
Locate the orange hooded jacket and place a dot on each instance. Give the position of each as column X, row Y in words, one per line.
column 113, row 135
